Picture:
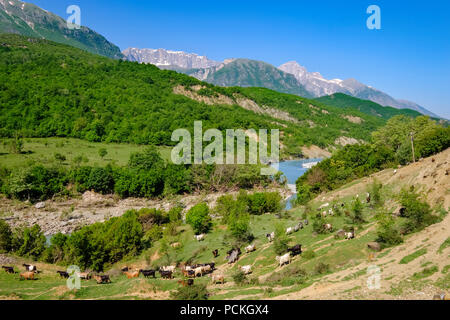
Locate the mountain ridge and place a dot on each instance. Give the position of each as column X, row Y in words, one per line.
column 309, row 84
column 27, row 19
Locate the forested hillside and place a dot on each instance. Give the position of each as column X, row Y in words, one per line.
column 52, row 90
column 29, row 20
column 341, row 100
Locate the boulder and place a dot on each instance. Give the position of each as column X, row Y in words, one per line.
column 375, row 246
column 40, row 205
column 340, row 233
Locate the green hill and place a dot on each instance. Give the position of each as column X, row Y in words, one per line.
column 53, row 90
column 27, row 19
column 341, row 100
column 251, row 73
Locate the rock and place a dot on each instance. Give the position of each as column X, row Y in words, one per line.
column 40, row 205
column 375, row 246
column 340, row 233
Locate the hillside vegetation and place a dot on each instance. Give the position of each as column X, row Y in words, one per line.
column 341, row 100
column 53, row 90
column 330, row 267
column 29, row 20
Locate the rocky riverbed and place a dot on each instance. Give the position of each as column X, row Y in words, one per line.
column 66, row 215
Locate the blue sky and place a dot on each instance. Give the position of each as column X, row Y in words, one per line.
column 409, row 58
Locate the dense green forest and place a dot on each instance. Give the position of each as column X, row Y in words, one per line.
column 391, row 146
column 53, row 90
column 341, row 100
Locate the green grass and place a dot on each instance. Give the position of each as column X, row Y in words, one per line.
column 444, row 245
column 425, row 273
column 413, row 256
column 42, row 150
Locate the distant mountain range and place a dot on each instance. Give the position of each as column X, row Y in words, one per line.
column 290, row 77
column 29, row 20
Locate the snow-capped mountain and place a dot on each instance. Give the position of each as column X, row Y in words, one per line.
column 166, row 58
column 244, row 72
column 315, row 83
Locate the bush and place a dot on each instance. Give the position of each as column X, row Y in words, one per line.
column 29, row 242
column 239, row 278
column 322, row 268
column 101, row 180
column 35, row 183
column 199, row 219
column 280, row 243
column 5, row 237
column 375, row 193
column 194, row 292
column 357, row 212
column 387, row 233
column 309, row 254
column 418, row 212
column 264, row 202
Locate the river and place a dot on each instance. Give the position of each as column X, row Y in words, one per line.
column 292, row 170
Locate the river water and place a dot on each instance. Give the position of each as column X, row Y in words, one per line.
column 292, row 170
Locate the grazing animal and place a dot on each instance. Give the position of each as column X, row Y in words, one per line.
column 132, row 274
column 289, row 230
column 270, row 236
column 198, row 272
column 84, row 275
column 166, row 274
column 324, row 205
column 218, row 278
column 175, row 245
column 295, row 250
column 215, row 253
column 167, row 268
column 368, row 197
column 233, row 255
column 148, row 273
column 101, row 279
column 285, row 259
column 395, row 171
column 305, row 222
column 28, row 275
column 200, row 237
column 350, row 235
column 186, row 283
column 63, row 274
column 8, row 269
column 188, row 273
column 246, row 269
column 124, row 269
column 298, row 226
column 29, row 267
column 250, row 248
column 324, row 214
column 328, row 227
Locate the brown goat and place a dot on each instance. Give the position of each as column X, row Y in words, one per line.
column 29, row 275
column 132, row 274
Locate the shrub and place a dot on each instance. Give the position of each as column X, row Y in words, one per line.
column 321, row 268
column 309, row 254
column 239, row 278
column 101, row 180
column 199, row 219
column 357, row 212
column 418, row 212
column 5, row 237
column 387, row 233
column 29, row 242
column 35, row 183
column 280, row 243
column 194, row 292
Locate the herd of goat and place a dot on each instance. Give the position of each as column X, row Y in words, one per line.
column 190, row 272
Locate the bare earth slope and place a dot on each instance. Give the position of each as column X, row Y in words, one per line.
column 431, row 176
